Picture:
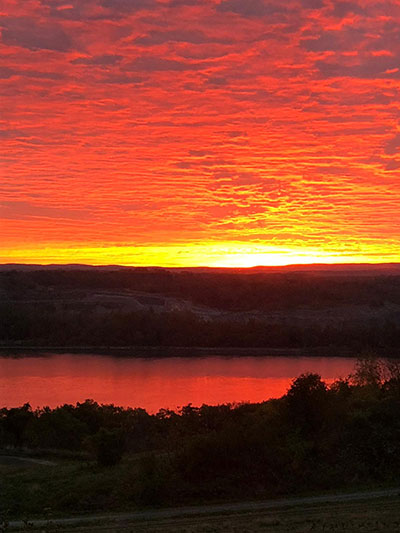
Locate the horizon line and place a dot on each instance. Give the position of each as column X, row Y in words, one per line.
column 269, row 267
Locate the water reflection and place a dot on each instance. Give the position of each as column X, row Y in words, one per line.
column 155, row 383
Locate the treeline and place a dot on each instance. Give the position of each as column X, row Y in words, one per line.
column 47, row 325
column 62, row 308
column 315, row 437
column 228, row 291
column 39, row 325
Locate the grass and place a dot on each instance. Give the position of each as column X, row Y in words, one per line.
column 378, row 515
column 71, row 487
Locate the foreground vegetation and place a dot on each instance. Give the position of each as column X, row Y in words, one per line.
column 315, row 438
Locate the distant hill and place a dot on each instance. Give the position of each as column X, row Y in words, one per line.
column 338, row 306
column 73, row 266
column 357, row 269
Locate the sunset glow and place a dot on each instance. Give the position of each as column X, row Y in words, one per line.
column 182, row 133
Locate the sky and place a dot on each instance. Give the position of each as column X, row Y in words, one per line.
column 189, row 132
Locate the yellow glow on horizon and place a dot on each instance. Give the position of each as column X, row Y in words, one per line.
column 228, row 254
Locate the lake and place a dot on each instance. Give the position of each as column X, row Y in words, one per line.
column 154, row 383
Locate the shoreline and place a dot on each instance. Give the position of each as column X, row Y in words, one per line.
column 180, row 351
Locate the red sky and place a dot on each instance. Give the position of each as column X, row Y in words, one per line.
column 188, row 132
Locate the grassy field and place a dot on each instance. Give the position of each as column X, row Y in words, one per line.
column 369, row 516
column 30, row 491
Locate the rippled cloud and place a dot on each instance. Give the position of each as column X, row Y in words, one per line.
column 173, row 122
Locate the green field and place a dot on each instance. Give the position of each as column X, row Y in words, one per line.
column 38, row 491
column 367, row 516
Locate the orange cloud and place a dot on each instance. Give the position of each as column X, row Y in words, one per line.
column 215, row 132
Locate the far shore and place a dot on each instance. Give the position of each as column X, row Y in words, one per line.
column 182, row 351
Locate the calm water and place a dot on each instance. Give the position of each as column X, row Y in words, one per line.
column 155, row 383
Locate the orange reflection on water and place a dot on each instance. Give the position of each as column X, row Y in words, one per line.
column 155, row 383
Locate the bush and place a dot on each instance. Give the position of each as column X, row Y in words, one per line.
column 107, row 446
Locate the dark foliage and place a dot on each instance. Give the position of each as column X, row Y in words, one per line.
column 107, row 446
column 65, row 308
column 229, row 291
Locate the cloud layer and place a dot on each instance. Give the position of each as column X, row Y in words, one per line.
column 135, row 124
